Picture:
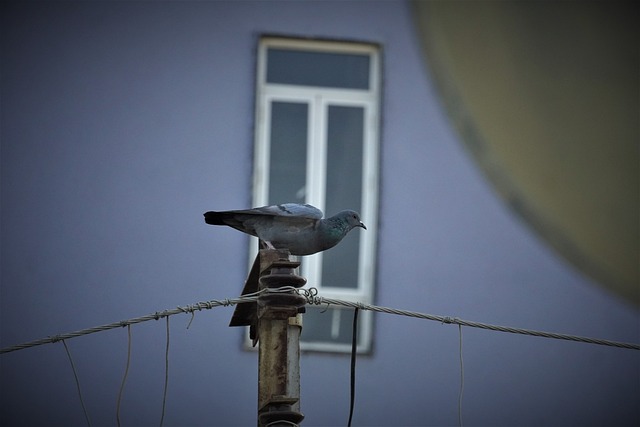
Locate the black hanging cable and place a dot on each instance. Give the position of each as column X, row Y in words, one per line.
column 126, row 373
column 166, row 376
column 75, row 375
column 354, row 348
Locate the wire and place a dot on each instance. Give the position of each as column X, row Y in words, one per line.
column 75, row 375
column 126, row 372
column 206, row 305
column 461, row 379
column 312, row 297
column 354, row 351
column 166, row 376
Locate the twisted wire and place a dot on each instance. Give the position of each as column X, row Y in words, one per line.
column 311, row 295
column 206, row 305
column 314, row 299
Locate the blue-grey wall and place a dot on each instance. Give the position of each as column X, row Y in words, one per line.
column 123, row 121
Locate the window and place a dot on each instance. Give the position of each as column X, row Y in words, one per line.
column 317, row 123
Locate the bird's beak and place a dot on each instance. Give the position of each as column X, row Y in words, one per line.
column 362, row 225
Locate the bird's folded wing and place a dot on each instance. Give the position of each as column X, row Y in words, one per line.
column 286, row 210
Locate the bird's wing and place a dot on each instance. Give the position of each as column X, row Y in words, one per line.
column 267, row 219
column 286, row 210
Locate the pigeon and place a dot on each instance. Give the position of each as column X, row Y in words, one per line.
column 296, row 227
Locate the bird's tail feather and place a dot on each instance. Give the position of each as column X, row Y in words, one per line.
column 230, row 218
column 215, row 218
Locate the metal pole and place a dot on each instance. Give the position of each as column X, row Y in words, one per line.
column 279, row 326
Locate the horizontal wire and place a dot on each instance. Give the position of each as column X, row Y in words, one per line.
column 472, row 324
column 206, row 305
column 312, row 298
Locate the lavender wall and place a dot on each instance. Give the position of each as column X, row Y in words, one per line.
column 123, row 121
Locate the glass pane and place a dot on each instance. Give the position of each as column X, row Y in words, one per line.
column 297, row 67
column 287, row 174
column 334, row 325
column 344, row 188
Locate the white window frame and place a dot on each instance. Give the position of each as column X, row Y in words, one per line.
column 318, row 100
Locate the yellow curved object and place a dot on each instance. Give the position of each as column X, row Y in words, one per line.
column 546, row 97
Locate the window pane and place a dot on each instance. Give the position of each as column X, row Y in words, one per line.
column 344, row 188
column 320, row 134
column 323, row 69
column 287, row 174
column 333, row 325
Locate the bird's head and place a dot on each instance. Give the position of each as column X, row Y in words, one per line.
column 352, row 219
